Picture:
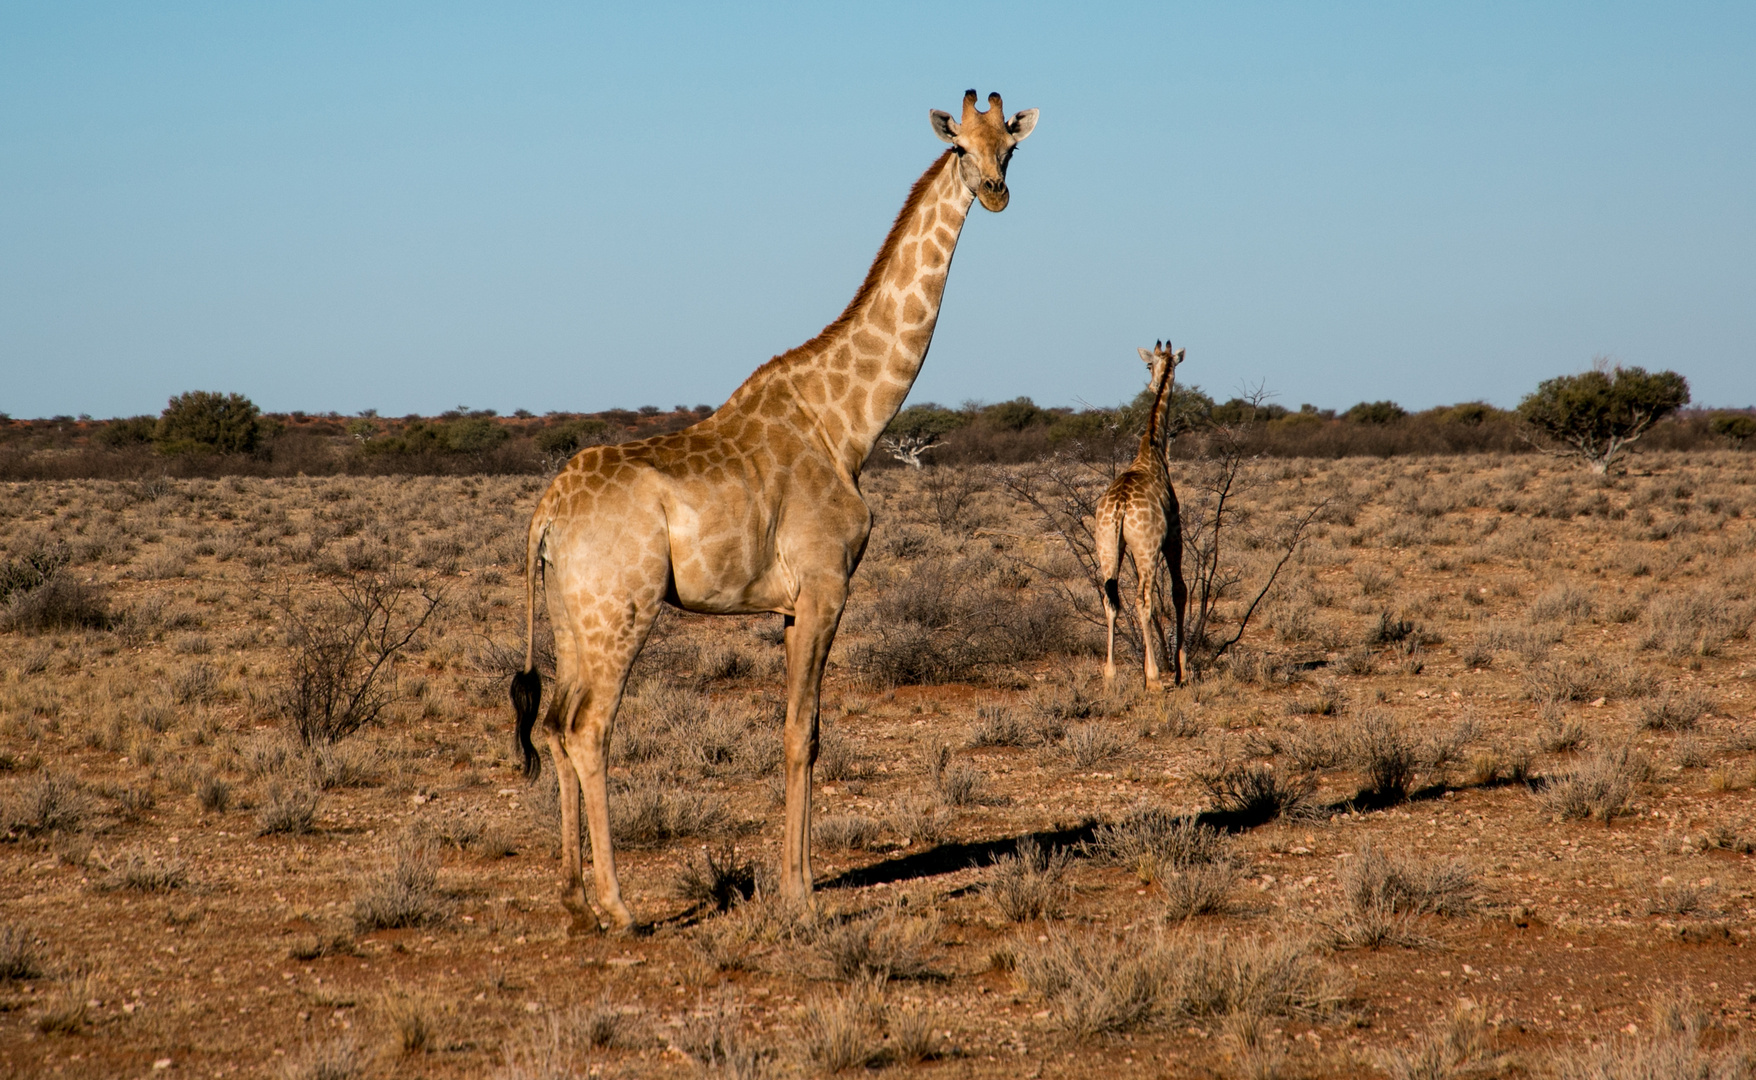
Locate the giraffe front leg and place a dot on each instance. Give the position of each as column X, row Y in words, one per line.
column 809, row 633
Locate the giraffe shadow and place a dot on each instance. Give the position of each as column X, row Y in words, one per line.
column 950, row 858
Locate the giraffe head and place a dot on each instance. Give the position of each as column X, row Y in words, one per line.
column 1161, row 361
column 984, row 142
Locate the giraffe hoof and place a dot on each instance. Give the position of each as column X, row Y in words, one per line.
column 584, row 926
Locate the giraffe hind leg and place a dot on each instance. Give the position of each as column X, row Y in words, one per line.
column 574, row 898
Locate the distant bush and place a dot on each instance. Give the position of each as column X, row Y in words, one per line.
column 1375, row 412
column 133, row 431
column 459, row 435
column 1014, row 415
column 569, row 435
column 200, row 422
column 1736, row 428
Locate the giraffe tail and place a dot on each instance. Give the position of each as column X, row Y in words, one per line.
column 527, row 685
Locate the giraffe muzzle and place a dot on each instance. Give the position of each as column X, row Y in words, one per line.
column 993, row 195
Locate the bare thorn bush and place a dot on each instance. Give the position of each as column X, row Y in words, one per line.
column 1256, row 794
column 344, row 648
column 717, row 879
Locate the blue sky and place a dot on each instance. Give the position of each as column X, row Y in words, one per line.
column 410, row 207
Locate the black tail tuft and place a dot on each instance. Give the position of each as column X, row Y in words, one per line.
column 1112, row 593
column 527, row 695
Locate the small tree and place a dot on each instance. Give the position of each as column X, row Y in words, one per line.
column 917, row 429
column 1595, row 415
column 200, row 422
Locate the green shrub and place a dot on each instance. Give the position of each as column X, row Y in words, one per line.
column 200, row 422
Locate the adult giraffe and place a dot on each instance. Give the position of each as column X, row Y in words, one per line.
column 1139, row 509
column 756, row 508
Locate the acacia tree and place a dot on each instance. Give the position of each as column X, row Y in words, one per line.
column 1596, row 414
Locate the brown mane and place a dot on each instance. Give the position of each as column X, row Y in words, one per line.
column 880, row 263
column 1150, row 439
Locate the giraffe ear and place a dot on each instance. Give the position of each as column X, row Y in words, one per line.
column 1177, row 357
column 1145, row 354
column 943, row 125
column 1023, row 124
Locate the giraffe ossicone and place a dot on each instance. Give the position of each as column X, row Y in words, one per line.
column 755, row 509
column 1139, row 512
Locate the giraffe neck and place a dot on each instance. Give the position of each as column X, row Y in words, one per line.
column 850, row 380
column 1152, row 442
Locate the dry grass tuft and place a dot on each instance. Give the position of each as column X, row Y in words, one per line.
column 405, row 894
column 141, row 870
column 1600, row 787
column 1675, row 711
column 1673, row 1050
column 649, row 811
column 1153, row 840
column 888, row 945
column 1092, row 745
column 288, row 806
column 334, row 1059
column 413, row 1018
column 1416, row 886
column 1029, row 884
column 1201, row 889
column 848, row 832
column 846, row 1031
column 20, row 957
column 1453, row 1048
column 1104, row 984
column 713, row 1037
column 53, row 802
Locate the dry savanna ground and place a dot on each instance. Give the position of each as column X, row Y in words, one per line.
column 1472, row 795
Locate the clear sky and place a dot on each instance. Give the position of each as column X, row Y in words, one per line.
column 414, row 206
